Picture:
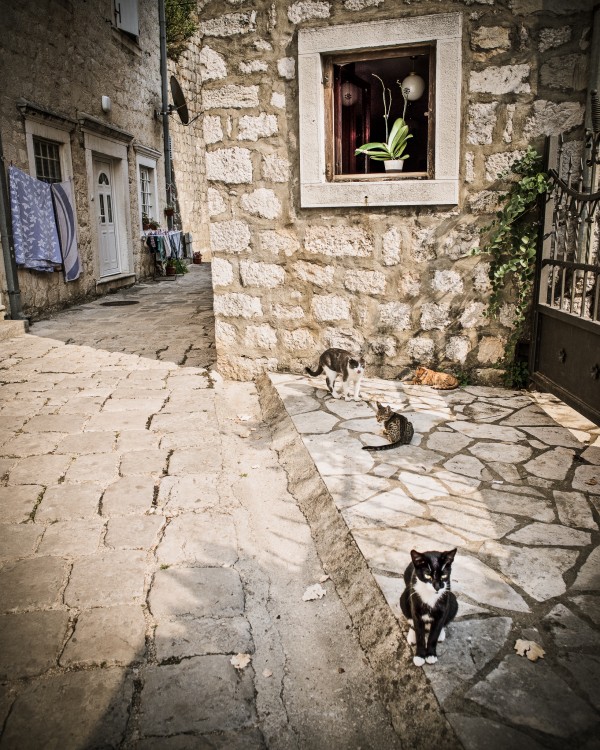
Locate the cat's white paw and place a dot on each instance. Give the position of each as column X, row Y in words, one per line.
column 431, row 659
column 335, row 395
column 418, row 661
column 347, row 398
column 411, row 637
column 442, row 636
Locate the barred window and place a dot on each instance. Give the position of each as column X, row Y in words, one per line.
column 146, row 192
column 47, row 160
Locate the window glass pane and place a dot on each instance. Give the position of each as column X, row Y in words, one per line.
column 102, row 211
column 103, row 179
column 146, row 197
column 109, row 209
column 47, row 160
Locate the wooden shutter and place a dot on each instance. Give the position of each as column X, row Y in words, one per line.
column 126, row 16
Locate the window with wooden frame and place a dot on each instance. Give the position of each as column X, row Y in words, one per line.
column 363, row 99
column 47, row 160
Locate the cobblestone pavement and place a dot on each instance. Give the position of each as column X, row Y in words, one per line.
column 490, row 472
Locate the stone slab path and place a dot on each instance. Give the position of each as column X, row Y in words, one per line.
column 492, row 473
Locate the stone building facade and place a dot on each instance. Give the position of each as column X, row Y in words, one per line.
column 60, row 58
column 300, row 262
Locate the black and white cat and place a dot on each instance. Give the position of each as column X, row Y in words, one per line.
column 427, row 602
column 334, row 362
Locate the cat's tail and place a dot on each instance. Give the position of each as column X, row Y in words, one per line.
column 387, row 446
column 314, row 373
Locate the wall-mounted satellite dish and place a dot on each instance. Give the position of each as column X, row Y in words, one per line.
column 179, row 104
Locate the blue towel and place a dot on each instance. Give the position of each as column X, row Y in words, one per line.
column 62, row 195
column 34, row 226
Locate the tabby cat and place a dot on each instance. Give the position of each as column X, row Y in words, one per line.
column 441, row 381
column 396, row 428
column 336, row 362
column 427, row 602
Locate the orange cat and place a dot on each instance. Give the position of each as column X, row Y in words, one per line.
column 441, row 381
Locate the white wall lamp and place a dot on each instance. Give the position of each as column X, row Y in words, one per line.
column 106, row 104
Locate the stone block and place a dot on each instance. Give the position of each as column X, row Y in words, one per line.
column 286, row 67
column 278, row 100
column 205, row 539
column 18, row 539
column 361, row 4
column 266, row 275
column 410, row 284
column 182, row 638
column 330, row 307
column 469, row 167
column 212, row 65
column 33, row 583
column 253, row 127
column 391, row 247
column 506, row 79
column 114, row 577
column 567, row 73
column 211, row 129
column 152, row 461
column 338, row 241
column 225, row 333
column 69, row 501
column 230, row 165
column 497, row 164
column 275, row 169
column 261, row 202
column 30, row 643
column 481, row 123
column 190, row 492
column 484, row 202
column 434, row 315
column 229, row 236
column 313, row 273
column 133, row 532
column 232, row 96
column 384, row 346
column 48, row 469
column 299, row 340
column 221, row 272
column 490, row 38
column 276, row 243
column 196, row 592
column 18, row 502
column 457, row 348
column 490, row 350
column 472, row 316
column 128, row 496
column 550, row 38
column 305, row 10
column 253, row 66
column 553, row 118
column 284, row 312
column 447, row 281
column 260, row 337
column 395, row 315
column 230, row 24
column 366, row 282
column 72, row 538
column 216, row 203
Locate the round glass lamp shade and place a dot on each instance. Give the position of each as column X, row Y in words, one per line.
column 350, row 94
column 415, row 85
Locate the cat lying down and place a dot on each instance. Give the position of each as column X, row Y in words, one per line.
column 441, row 381
column 334, row 362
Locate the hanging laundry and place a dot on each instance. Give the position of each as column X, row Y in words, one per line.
column 175, row 239
column 33, row 223
column 62, row 195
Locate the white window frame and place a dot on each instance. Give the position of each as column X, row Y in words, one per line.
column 143, row 160
column 35, row 129
column 445, row 29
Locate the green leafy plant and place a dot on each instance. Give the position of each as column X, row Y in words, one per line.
column 182, row 24
column 511, row 240
column 396, row 139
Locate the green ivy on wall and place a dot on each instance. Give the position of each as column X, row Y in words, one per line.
column 511, row 240
column 182, row 24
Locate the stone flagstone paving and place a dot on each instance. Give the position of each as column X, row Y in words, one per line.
column 490, row 472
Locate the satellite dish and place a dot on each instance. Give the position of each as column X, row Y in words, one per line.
column 179, row 104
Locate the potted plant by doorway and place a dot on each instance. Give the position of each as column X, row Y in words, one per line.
column 170, row 268
column 392, row 151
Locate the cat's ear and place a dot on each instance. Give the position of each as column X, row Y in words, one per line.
column 379, row 406
column 449, row 557
column 416, row 557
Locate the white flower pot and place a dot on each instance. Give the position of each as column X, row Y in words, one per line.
column 393, row 165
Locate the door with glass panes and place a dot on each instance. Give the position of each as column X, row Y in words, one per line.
column 106, row 215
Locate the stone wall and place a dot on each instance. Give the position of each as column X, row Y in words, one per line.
column 64, row 55
column 399, row 282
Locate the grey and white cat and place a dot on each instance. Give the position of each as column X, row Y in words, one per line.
column 427, row 602
column 396, row 428
column 334, row 362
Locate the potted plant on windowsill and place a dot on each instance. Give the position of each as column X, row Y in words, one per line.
column 169, row 209
column 392, row 152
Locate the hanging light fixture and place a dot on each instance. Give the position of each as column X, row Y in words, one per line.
column 350, row 93
column 414, row 83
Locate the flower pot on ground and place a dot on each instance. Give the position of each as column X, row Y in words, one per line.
column 197, row 257
column 170, row 269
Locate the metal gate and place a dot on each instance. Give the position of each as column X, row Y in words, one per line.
column 566, row 343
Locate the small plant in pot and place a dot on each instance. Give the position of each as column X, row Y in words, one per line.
column 169, row 209
column 392, row 152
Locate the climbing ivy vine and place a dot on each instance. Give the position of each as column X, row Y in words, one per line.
column 511, row 240
column 182, row 24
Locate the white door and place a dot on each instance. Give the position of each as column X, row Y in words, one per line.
column 106, row 213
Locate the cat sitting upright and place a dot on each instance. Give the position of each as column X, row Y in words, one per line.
column 396, row 428
column 427, row 602
column 336, row 362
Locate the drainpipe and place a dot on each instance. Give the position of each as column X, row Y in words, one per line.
column 8, row 250
column 165, row 102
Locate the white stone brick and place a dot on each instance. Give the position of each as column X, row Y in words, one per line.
column 253, row 66
column 457, row 348
column 482, row 119
column 275, row 169
column 490, row 38
column 314, row 274
column 506, row 315
column 344, row 338
column 447, row 281
column 231, row 165
column 367, row 282
column 251, row 127
column 307, row 9
column 262, row 202
column 423, row 249
column 230, row 24
column 229, row 236
column 212, row 65
column 244, row 368
column 261, row 337
column 472, row 316
column 237, row 305
column 567, row 73
column 410, row 284
column 384, row 346
column 484, row 202
column 481, row 277
column 550, row 118
column 230, row 97
column 491, row 350
column 434, row 315
column 550, row 38
column 267, row 275
column 330, row 307
column 276, row 242
column 507, row 79
column 496, row 164
column 338, row 241
column 286, row 67
column 420, row 350
column 361, row 4
column 395, row 315
column 278, row 100
column 469, row 166
column 508, row 129
column 390, row 254
column 299, row 340
column 282, row 312
column 216, row 203
column 225, row 334
column 221, row 272
column 262, row 45
column 458, row 243
column 211, row 128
